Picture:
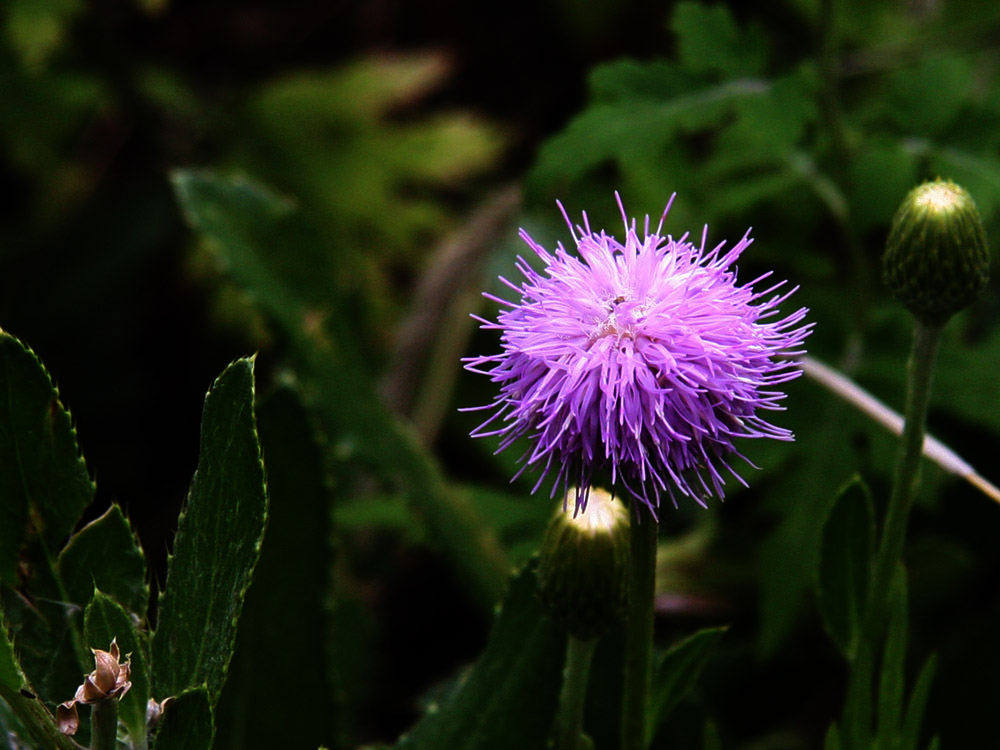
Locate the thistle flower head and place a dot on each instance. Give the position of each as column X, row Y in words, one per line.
column 643, row 357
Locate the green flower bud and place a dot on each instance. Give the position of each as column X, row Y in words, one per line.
column 583, row 566
column 936, row 261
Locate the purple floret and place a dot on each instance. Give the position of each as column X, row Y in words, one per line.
column 644, row 357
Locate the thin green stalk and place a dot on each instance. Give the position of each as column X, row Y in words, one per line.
column 906, row 479
column 639, row 632
column 919, row 373
column 104, row 725
column 574, row 692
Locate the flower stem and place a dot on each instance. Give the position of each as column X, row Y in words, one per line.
column 104, row 725
column 906, row 479
column 919, row 373
column 639, row 633
column 574, row 692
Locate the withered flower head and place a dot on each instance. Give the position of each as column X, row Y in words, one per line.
column 108, row 681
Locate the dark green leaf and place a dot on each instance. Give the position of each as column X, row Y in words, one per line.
column 11, row 675
column 509, row 698
column 285, row 617
column 217, row 546
column 48, row 643
column 709, row 41
column 676, row 673
column 335, row 384
column 105, row 555
column 917, row 705
column 186, row 723
column 30, row 712
column 845, row 564
column 43, row 478
column 106, row 619
column 832, row 740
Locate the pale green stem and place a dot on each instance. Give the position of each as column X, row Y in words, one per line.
column 919, row 373
column 104, row 725
column 639, row 632
column 574, row 692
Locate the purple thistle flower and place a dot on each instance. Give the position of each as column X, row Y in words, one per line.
column 644, row 357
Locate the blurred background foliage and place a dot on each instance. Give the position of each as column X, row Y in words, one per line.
column 361, row 170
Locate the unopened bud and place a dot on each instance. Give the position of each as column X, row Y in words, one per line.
column 936, row 261
column 583, row 566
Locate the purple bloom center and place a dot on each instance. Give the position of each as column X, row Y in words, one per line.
column 642, row 356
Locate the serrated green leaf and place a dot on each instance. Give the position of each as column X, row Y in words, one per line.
column 509, row 698
column 42, row 476
column 217, row 545
column 676, row 673
column 846, row 558
column 186, row 723
column 335, row 384
column 285, row 617
column 11, row 675
column 104, row 620
column 105, row 554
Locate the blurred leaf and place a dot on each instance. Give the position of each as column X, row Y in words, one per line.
column 711, row 739
column 186, row 723
column 882, row 173
column 708, row 41
column 910, row 737
column 105, row 620
column 676, row 674
column 630, row 130
column 832, row 739
column 280, row 659
column 332, row 140
column 334, row 384
column 43, row 479
column 509, row 698
column 845, row 564
column 924, row 98
column 217, row 544
column 106, row 555
column 37, row 28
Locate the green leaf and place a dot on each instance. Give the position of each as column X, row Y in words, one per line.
column 845, row 564
column 11, row 675
column 30, row 712
column 832, row 739
column 241, row 220
column 106, row 555
column 676, row 673
column 186, row 723
column 917, row 705
column 48, row 643
column 279, row 659
column 708, row 41
column 509, row 698
column 217, row 545
column 891, row 683
column 43, row 479
column 104, row 620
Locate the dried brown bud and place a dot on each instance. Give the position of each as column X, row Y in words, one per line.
column 109, row 681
